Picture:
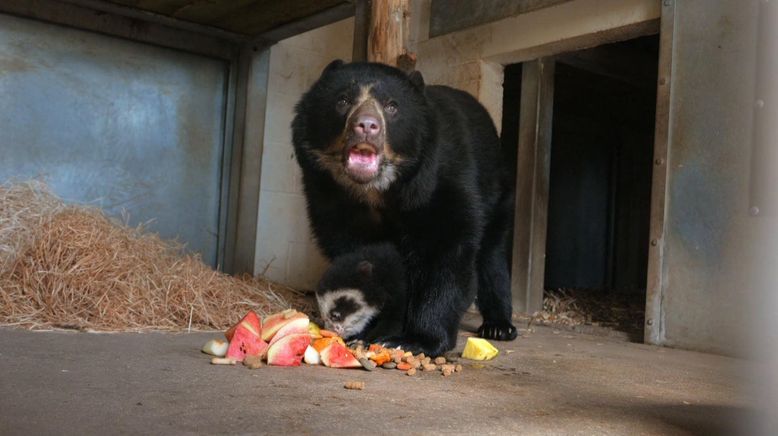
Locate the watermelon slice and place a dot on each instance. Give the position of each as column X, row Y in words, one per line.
column 275, row 322
column 251, row 321
column 245, row 343
column 336, row 355
column 293, row 327
column 289, row 350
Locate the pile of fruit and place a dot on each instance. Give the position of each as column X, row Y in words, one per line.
column 289, row 338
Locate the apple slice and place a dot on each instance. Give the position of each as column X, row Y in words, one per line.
column 289, row 350
column 274, row 323
column 293, row 327
column 336, row 355
column 252, row 322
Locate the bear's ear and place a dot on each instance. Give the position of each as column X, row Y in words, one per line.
column 365, row 269
column 416, row 78
column 334, row 65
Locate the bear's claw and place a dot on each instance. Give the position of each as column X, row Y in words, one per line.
column 499, row 331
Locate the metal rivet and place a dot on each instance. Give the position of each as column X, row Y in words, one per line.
column 659, row 161
column 759, row 104
column 650, row 321
column 754, row 211
column 662, row 80
column 654, row 242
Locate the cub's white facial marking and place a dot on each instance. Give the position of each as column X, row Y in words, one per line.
column 345, row 323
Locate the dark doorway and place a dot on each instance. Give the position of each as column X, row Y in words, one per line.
column 599, row 181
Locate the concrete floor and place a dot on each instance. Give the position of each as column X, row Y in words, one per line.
column 547, row 382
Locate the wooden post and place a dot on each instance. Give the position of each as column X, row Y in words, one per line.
column 387, row 41
column 532, row 184
column 362, row 13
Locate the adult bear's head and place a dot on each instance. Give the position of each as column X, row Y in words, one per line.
column 364, row 123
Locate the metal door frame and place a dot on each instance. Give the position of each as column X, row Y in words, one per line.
column 534, row 148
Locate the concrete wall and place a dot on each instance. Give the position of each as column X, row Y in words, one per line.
column 285, row 250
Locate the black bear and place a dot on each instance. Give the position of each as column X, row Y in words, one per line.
column 386, row 158
column 362, row 295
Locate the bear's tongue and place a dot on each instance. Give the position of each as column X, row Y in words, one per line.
column 362, row 162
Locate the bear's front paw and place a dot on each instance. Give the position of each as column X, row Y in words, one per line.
column 499, row 331
column 407, row 344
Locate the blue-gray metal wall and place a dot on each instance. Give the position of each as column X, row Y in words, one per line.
column 115, row 124
column 707, row 274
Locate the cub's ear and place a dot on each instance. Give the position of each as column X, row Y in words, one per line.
column 334, row 65
column 416, row 78
column 365, row 269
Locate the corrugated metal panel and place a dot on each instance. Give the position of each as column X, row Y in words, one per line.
column 706, row 274
column 116, row 124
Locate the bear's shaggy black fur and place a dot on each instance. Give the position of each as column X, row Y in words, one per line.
column 387, row 159
column 362, row 295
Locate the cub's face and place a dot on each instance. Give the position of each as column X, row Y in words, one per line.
column 362, row 123
column 345, row 311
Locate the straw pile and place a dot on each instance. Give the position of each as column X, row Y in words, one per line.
column 67, row 266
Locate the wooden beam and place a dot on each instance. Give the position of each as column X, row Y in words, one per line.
column 532, row 185
column 362, row 11
column 388, row 31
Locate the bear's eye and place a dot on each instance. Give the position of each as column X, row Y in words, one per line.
column 390, row 108
column 343, row 102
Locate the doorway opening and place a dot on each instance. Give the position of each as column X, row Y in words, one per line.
column 599, row 183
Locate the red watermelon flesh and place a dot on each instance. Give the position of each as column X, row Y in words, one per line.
column 337, row 355
column 293, row 327
column 251, row 322
column 245, row 343
column 274, row 323
column 288, row 350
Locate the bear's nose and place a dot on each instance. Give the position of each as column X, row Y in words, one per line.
column 367, row 125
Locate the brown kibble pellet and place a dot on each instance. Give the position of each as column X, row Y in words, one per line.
column 411, row 371
column 421, row 356
column 403, row 366
column 426, row 361
column 407, row 354
column 416, row 364
column 354, row 384
column 448, row 367
column 458, row 368
column 440, row 360
column 447, row 371
column 367, row 363
column 429, row 367
column 409, row 359
column 252, row 362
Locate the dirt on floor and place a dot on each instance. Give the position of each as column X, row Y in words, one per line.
column 545, row 382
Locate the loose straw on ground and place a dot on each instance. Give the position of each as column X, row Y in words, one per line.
column 67, row 266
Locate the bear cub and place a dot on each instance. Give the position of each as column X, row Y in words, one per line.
column 363, row 293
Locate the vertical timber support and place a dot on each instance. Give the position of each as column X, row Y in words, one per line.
column 362, row 11
column 388, row 36
column 532, row 184
column 248, row 126
column 654, row 332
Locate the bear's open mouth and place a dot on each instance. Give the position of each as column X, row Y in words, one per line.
column 363, row 162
